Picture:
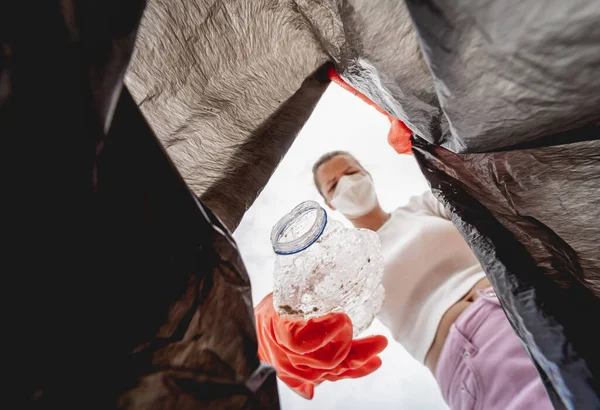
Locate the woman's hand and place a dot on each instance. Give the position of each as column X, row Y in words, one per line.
column 306, row 353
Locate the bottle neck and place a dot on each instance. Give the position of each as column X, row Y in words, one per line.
column 299, row 229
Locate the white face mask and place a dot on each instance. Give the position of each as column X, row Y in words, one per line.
column 354, row 195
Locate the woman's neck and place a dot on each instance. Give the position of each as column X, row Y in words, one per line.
column 373, row 220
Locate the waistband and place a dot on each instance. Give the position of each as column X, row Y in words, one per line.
column 473, row 316
column 465, row 325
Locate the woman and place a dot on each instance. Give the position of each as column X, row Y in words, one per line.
column 439, row 305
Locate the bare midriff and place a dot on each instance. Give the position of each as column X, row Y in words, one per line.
column 448, row 320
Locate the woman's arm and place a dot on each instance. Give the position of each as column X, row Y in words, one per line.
column 428, row 203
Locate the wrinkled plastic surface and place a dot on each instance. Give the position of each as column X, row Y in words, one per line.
column 510, row 72
column 226, row 86
column 340, row 272
column 128, row 292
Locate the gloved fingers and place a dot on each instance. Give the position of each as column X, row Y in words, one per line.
column 399, row 137
column 326, row 358
column 291, row 381
column 268, row 350
column 323, row 342
column 364, row 349
column 304, row 389
column 301, row 367
column 304, row 337
column 344, row 373
column 307, row 351
column 306, row 370
column 307, row 367
column 285, row 368
column 328, row 361
column 316, row 377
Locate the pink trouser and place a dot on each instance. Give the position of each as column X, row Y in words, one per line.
column 483, row 365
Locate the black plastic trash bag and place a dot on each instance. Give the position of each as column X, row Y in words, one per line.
column 509, row 72
column 523, row 77
column 128, row 292
column 529, row 215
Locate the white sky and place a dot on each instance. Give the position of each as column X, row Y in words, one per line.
column 341, row 121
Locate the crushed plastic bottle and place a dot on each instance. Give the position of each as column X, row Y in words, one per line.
column 322, row 266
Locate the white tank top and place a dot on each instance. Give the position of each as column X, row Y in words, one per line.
column 428, row 268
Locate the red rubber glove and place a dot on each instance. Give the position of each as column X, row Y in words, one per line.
column 399, row 136
column 306, row 353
